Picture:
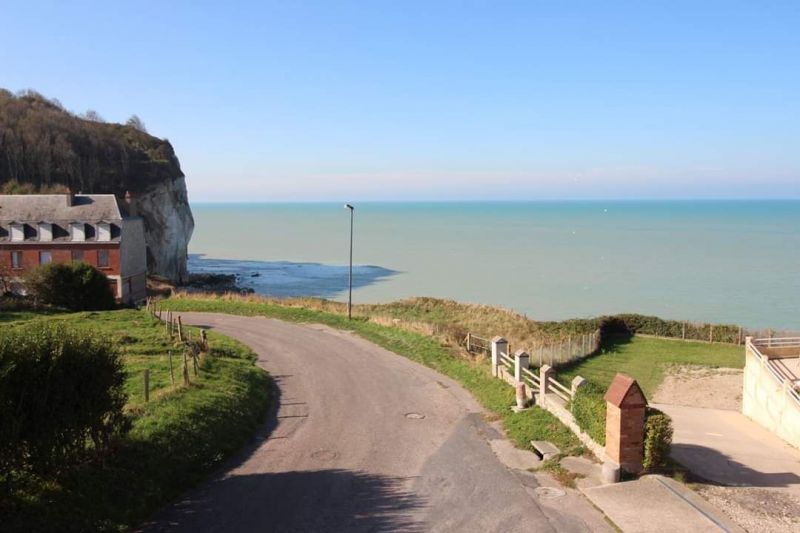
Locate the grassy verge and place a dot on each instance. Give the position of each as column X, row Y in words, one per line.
column 176, row 439
column 646, row 359
column 495, row 395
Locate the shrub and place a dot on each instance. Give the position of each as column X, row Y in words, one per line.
column 61, row 393
column 589, row 409
column 657, row 438
column 74, row 286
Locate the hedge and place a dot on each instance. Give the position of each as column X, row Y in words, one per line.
column 589, row 409
column 633, row 324
column 657, row 438
column 61, row 397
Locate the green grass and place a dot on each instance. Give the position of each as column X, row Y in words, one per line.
column 646, row 359
column 175, row 441
column 494, row 394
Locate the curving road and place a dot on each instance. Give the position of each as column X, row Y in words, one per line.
column 361, row 439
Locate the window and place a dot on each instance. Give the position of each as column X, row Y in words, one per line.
column 16, row 259
column 45, row 258
column 102, row 258
column 77, row 255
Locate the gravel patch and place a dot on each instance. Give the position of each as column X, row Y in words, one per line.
column 701, row 386
column 755, row 509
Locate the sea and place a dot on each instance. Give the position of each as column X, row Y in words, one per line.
column 717, row 261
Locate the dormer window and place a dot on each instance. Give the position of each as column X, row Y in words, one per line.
column 77, row 231
column 45, row 232
column 17, row 232
column 104, row 232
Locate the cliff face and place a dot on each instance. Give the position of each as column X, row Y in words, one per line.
column 44, row 148
column 168, row 226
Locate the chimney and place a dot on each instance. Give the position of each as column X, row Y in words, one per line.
column 131, row 204
column 69, row 197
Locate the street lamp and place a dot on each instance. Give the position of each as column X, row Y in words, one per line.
column 350, row 279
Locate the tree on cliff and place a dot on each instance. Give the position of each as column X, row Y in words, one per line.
column 48, row 148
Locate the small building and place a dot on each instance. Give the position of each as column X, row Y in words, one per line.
column 36, row 229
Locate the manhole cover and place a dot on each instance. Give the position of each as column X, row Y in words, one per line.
column 415, row 416
column 324, row 455
column 548, row 493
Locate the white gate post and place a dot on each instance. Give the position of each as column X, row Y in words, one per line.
column 499, row 346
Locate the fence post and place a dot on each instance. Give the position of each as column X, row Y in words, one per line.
column 499, row 346
column 180, row 329
column 469, row 342
column 171, row 371
column 577, row 383
column 521, row 360
column 545, row 373
column 739, row 339
column 204, row 340
column 146, row 385
column 185, row 370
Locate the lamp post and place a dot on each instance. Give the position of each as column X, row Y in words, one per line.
column 350, row 277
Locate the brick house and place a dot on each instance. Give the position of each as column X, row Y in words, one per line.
column 36, row 229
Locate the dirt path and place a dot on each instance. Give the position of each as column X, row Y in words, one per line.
column 362, row 439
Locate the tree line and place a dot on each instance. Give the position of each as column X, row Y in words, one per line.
column 45, row 148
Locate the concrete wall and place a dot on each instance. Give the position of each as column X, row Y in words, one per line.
column 133, row 251
column 768, row 402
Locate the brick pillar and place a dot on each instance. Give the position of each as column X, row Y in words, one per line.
column 499, row 346
column 625, row 409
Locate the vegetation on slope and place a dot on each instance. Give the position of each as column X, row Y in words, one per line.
column 44, row 148
column 175, row 440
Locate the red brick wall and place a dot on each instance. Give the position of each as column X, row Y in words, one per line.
column 61, row 253
column 625, row 436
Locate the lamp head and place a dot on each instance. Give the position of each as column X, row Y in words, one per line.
column 348, row 206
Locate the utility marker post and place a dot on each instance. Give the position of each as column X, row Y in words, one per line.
column 350, row 277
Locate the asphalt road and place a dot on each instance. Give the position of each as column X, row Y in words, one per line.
column 360, row 439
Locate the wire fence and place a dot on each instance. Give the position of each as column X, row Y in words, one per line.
column 572, row 348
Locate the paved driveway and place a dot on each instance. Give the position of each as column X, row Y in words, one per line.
column 728, row 448
column 361, row 439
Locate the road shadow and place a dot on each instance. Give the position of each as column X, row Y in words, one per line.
column 330, row 500
column 286, row 279
column 715, row 467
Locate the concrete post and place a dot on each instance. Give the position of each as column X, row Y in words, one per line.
column 577, row 383
column 499, row 346
column 521, row 360
column 545, row 372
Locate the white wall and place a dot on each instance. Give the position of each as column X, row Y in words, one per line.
column 767, row 401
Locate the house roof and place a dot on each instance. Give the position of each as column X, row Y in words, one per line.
column 35, row 208
column 625, row 391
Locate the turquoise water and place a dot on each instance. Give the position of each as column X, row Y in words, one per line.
column 721, row 261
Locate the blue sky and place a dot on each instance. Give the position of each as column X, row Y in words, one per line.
column 374, row 100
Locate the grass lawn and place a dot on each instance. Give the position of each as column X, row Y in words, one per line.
column 646, row 360
column 494, row 394
column 175, row 441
